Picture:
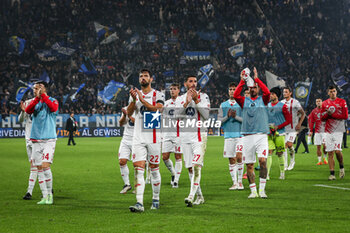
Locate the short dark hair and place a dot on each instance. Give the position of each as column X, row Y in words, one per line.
column 331, row 87
column 288, row 88
column 189, row 76
column 232, row 84
column 175, row 85
column 146, row 70
column 46, row 85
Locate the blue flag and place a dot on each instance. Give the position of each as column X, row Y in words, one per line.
column 204, row 74
column 111, row 91
column 20, row 89
column 302, row 92
column 73, row 97
column 87, row 67
column 17, row 43
column 44, row 77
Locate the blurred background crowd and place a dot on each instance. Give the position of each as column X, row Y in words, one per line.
column 300, row 40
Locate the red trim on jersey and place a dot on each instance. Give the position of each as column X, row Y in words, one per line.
column 177, row 128
column 154, row 104
column 199, row 130
column 31, row 106
column 291, row 113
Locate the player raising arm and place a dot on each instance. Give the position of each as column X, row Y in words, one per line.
column 255, row 129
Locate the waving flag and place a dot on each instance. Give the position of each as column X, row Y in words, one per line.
column 111, row 92
column 105, row 34
column 236, row 50
column 204, row 74
column 17, row 43
column 273, row 80
column 302, row 92
column 87, row 67
column 20, row 89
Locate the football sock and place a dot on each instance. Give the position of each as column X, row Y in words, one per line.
column 178, row 169
column 42, row 183
column 32, row 179
column 319, row 158
column 233, row 172
column 252, row 187
column 240, row 172
column 262, row 185
column 281, row 161
column 170, row 166
column 269, row 163
column 48, row 179
column 285, row 154
column 156, row 182
column 291, row 153
column 139, row 184
column 195, row 180
column 124, row 171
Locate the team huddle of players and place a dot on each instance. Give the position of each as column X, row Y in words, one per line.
column 254, row 126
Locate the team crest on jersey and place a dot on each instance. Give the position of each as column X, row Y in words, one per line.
column 171, row 112
column 152, row 120
column 143, row 109
column 190, row 111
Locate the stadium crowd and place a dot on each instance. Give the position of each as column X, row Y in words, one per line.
column 270, row 30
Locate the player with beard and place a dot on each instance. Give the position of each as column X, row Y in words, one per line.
column 297, row 114
column 334, row 112
column 255, row 129
column 146, row 142
column 171, row 136
column 194, row 107
column 320, row 136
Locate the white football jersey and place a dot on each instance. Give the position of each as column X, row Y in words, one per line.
column 170, row 127
column 128, row 129
column 142, row 135
column 189, row 116
column 293, row 107
column 27, row 119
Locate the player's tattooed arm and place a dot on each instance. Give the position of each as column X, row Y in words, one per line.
column 301, row 119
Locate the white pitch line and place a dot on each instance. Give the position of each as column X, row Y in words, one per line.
column 332, row 187
column 341, row 184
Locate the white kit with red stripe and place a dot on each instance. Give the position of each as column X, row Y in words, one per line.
column 142, row 135
column 189, row 131
column 293, row 107
column 172, row 131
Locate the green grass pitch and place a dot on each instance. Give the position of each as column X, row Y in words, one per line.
column 87, row 183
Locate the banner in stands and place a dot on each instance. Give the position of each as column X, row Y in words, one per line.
column 302, row 92
column 88, row 126
column 197, row 55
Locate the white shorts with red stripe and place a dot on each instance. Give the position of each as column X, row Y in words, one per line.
column 43, row 152
column 171, row 145
column 334, row 141
column 193, row 153
column 125, row 149
column 29, row 147
column 150, row 152
column 232, row 146
column 320, row 138
column 290, row 137
column 253, row 145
